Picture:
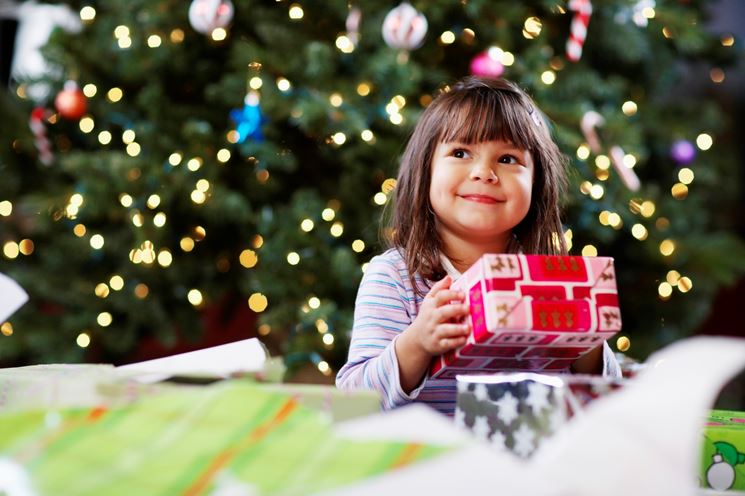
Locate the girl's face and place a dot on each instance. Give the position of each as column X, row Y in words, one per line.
column 480, row 191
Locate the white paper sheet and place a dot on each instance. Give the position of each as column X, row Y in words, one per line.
column 223, row 361
column 645, row 439
column 12, row 296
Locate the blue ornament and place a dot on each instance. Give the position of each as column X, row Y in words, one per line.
column 248, row 120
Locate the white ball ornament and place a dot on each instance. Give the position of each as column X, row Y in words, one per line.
column 207, row 15
column 720, row 475
column 404, row 27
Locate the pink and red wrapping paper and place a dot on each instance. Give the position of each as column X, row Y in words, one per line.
column 533, row 312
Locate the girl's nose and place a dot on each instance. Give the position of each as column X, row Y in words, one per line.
column 481, row 172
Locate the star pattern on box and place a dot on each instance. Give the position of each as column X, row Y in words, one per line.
column 515, row 416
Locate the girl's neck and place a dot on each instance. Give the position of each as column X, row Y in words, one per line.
column 464, row 253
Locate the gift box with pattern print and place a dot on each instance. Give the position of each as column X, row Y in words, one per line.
column 533, row 312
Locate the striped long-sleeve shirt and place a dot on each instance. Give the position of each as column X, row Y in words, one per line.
column 386, row 305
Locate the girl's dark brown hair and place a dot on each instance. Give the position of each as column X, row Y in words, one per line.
column 474, row 110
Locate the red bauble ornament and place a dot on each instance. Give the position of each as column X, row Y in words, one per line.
column 487, row 64
column 70, row 102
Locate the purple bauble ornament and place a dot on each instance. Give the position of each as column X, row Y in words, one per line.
column 683, row 151
column 485, row 64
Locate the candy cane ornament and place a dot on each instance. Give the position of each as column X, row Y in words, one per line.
column 592, row 120
column 39, row 129
column 578, row 31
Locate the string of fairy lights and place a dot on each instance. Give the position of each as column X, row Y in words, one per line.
column 149, row 255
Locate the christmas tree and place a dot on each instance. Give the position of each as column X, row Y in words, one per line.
column 234, row 159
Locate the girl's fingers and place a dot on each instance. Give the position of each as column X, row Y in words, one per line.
column 448, row 344
column 447, row 295
column 452, row 330
column 443, row 283
column 451, row 311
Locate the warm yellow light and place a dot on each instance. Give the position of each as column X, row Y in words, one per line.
column 648, row 208
column 685, row 284
column 679, row 191
column 186, row 244
column 141, row 291
column 322, row 326
column 121, row 31
column 602, row 162
column 154, row 41
column 198, row 197
column 614, row 220
column 137, row 219
column 104, row 137
column 248, row 258
column 328, row 339
column 597, row 191
column 83, row 340
column 507, row 59
column 603, row 217
column 255, row 83
column 314, row 302
column 102, row 290
column 6, row 329
column 667, row 247
column 195, row 297
column 307, row 225
column 296, row 12
column 203, row 185
column 10, row 249
column 685, row 175
column 629, row 161
column 727, row 40
column 629, row 108
column 323, row 366
column 336, row 100
column 328, row 214
column 86, row 124
column 194, row 164
column 153, row 201
column 165, row 258
column 104, row 319
column 159, row 220
column 76, row 199
column 717, row 75
column 177, row 35
column 293, row 258
column 133, row 149
column 79, row 230
column 648, row 12
column 583, row 152
column 673, row 277
column 447, row 37
column 174, row 159
column 116, row 283
column 589, row 251
column 257, row 241
column 257, row 302
column 26, row 247
column 114, row 94
column 344, row 44
column 283, row 84
column 396, row 119
column 87, row 13
column 264, row 329
column 358, row 245
column 223, row 155
column 339, row 138
column 380, row 198
column 97, row 241
column 532, row 27
column 664, row 290
column 639, row 232
column 219, row 34
column 90, row 90
column 337, row 229
column 6, row 208
column 367, row 135
column 704, row 141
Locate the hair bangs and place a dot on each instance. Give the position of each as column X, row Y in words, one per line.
column 488, row 116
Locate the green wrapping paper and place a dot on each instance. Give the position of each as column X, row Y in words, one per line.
column 190, row 440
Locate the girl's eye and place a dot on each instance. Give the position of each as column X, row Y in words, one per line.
column 508, row 159
column 460, row 153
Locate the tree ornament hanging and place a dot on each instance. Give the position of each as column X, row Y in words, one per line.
column 353, row 25
column 71, row 102
column 592, row 120
column 249, row 119
column 39, row 130
column 683, row 152
column 207, row 15
column 487, row 63
column 578, row 31
column 404, row 27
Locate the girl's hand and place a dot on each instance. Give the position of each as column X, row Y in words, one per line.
column 440, row 325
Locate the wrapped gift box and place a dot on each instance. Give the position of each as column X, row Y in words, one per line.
column 518, row 411
column 533, row 312
column 723, row 458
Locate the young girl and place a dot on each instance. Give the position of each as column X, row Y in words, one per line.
column 480, row 174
